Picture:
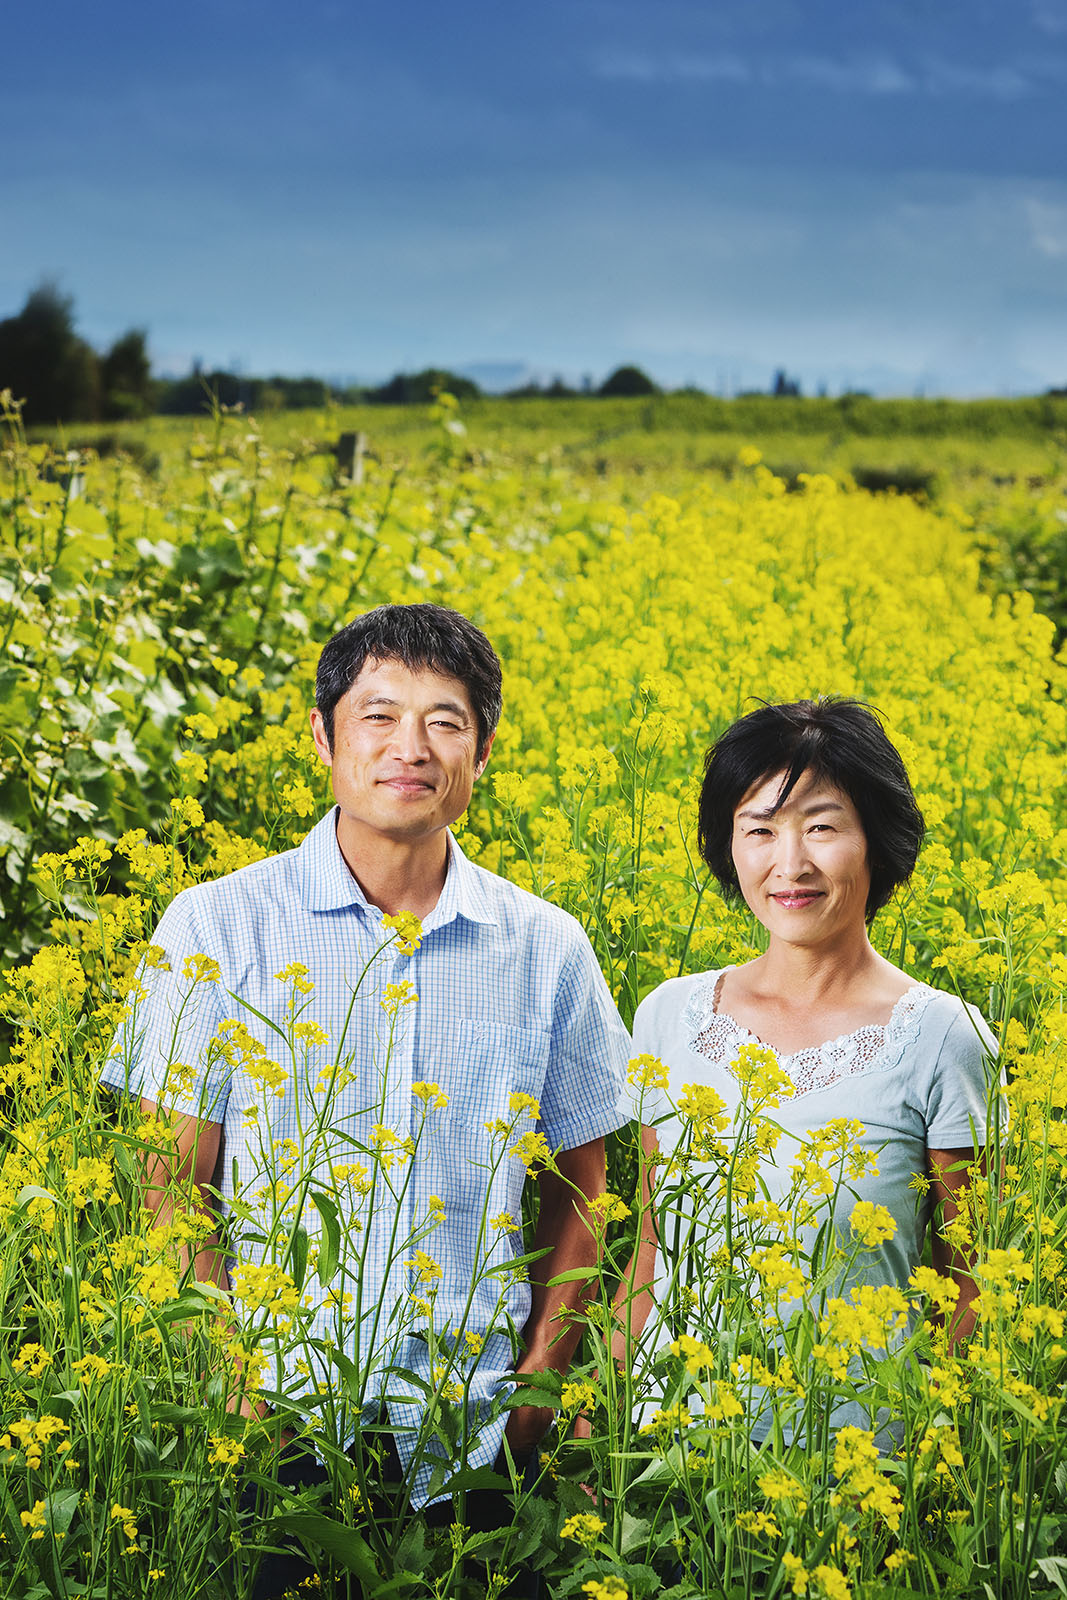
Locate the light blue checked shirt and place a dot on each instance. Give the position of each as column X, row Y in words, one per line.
column 510, row 1000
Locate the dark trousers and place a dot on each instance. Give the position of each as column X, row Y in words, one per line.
column 283, row 1572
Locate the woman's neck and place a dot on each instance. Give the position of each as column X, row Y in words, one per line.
column 815, row 974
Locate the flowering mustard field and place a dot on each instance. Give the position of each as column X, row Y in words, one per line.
column 160, row 639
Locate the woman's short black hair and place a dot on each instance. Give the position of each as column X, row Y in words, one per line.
column 423, row 638
column 837, row 740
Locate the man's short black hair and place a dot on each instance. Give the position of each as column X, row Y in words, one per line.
column 423, row 638
column 837, row 740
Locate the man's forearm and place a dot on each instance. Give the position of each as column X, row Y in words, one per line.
column 551, row 1334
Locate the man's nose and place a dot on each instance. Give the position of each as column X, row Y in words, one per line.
column 409, row 742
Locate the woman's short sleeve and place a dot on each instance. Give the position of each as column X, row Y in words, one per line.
column 647, row 1098
column 964, row 1093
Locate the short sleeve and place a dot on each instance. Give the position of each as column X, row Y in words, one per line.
column 167, row 1046
column 964, row 1085
column 646, row 1097
column 582, row 1097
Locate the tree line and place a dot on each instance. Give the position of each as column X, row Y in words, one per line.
column 59, row 377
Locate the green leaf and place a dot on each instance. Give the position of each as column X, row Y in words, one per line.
column 299, row 1243
column 330, row 1246
column 344, row 1544
column 1054, row 1568
column 574, row 1275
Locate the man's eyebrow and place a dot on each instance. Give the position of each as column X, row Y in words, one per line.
column 805, row 811
column 368, row 700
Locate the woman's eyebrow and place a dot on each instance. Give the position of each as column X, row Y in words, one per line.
column 805, row 811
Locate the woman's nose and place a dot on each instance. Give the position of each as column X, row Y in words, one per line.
column 793, row 858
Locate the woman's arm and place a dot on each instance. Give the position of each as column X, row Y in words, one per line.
column 950, row 1171
column 633, row 1300
column 634, row 1296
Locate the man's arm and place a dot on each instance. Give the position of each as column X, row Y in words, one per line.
column 949, row 1261
column 550, row 1336
column 189, row 1163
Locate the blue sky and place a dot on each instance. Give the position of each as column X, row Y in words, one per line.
column 866, row 194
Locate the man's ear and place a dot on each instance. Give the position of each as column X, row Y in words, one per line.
column 318, row 733
column 483, row 760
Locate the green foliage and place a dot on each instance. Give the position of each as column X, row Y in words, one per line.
column 44, row 362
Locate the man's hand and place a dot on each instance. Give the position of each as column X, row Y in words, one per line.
column 564, row 1229
column 527, row 1426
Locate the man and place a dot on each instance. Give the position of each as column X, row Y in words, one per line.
column 510, row 1003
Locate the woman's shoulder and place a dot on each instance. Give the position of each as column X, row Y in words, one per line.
column 673, row 1001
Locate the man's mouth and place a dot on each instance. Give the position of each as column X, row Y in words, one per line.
column 407, row 785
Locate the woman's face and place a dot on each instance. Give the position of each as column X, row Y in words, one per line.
column 802, row 869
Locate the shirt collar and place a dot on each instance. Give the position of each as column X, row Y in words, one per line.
column 327, row 884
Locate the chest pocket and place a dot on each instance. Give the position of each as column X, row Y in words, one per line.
column 479, row 1065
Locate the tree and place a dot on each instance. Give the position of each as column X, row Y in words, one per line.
column 784, row 386
column 45, row 363
column 126, row 377
column 627, row 381
column 419, row 388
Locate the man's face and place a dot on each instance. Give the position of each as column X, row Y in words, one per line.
column 405, row 752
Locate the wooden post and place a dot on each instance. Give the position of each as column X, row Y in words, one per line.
column 350, row 451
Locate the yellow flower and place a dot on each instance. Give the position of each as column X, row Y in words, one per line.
column 583, row 1528
column 397, row 995
column 32, row 1359
column 834, row 1584
column 578, row 1395
column 698, row 1356
column 425, row 1268
column 200, row 969
column 431, row 1095
column 224, row 1452
column 299, row 798
column 609, row 1588
column 91, row 1367
column 796, row 1572
column 605, row 1208
column 296, row 974
column 36, row 1519
column 90, row 1180
column 523, row 1105
column 532, row 1149
column 760, row 1523
column 647, row 1072
column 872, row 1224
column 408, row 930
column 778, row 1485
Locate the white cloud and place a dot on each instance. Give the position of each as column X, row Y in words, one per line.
column 632, row 66
column 858, row 74
column 1050, row 16
column 1048, row 226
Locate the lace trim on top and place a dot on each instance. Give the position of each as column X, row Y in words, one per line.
column 874, row 1047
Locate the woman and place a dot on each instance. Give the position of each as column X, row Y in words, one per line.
column 806, row 812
